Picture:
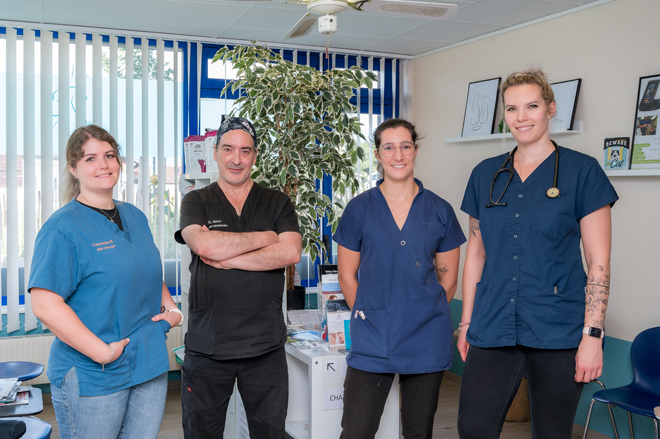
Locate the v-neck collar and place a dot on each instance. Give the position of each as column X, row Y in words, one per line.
column 105, row 222
column 420, row 187
column 540, row 169
column 232, row 209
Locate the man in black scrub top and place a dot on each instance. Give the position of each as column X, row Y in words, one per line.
column 241, row 236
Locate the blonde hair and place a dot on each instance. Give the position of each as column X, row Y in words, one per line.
column 533, row 75
column 74, row 152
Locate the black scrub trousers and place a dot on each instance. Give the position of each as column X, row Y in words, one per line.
column 236, row 332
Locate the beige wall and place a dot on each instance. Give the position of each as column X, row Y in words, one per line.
column 609, row 46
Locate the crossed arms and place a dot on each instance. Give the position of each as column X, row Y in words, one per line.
column 250, row 251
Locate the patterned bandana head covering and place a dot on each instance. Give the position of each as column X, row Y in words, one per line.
column 236, row 123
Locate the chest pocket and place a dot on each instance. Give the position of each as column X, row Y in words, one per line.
column 553, row 216
column 434, row 233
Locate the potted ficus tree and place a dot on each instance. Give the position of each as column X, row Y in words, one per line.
column 307, row 128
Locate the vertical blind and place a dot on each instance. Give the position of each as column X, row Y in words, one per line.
column 55, row 81
column 135, row 87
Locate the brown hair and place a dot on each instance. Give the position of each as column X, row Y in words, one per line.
column 74, row 152
column 390, row 124
column 533, row 75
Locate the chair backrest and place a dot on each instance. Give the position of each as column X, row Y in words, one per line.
column 645, row 356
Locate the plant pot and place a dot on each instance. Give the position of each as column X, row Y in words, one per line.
column 295, row 299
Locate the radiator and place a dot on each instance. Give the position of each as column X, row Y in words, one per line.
column 36, row 349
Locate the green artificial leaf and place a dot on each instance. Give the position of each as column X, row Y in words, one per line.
column 283, row 176
column 368, row 82
column 293, row 171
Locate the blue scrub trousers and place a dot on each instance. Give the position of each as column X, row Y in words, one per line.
column 365, row 394
column 136, row 412
column 490, row 381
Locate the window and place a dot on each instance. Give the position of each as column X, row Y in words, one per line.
column 54, row 81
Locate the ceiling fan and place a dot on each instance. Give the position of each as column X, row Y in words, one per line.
column 327, row 22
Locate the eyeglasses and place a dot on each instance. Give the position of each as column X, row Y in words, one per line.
column 389, row 149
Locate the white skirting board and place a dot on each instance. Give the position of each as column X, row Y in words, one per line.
column 36, row 348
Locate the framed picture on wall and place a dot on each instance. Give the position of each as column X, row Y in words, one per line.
column 566, row 98
column 646, row 139
column 480, row 107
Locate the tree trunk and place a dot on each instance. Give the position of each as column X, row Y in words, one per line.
column 290, row 274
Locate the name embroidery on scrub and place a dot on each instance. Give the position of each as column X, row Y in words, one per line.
column 105, row 245
column 216, row 223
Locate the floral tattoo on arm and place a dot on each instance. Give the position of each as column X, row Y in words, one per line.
column 597, row 296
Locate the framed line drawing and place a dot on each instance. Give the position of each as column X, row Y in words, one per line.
column 566, row 98
column 646, row 139
column 480, row 107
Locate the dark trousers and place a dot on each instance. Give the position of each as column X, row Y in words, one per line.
column 491, row 378
column 365, row 394
column 263, row 383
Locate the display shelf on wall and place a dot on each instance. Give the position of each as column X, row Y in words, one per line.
column 632, row 172
column 577, row 129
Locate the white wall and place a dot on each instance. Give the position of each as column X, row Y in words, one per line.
column 609, row 46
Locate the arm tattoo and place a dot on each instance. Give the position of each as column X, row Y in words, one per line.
column 474, row 227
column 597, row 295
column 441, row 270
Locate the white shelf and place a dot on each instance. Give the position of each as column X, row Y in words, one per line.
column 577, row 129
column 297, row 429
column 632, row 172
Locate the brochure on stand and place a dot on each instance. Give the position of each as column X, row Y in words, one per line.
column 330, row 290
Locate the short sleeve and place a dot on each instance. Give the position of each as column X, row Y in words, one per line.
column 55, row 263
column 454, row 236
column 594, row 191
column 349, row 230
column 192, row 212
column 287, row 221
column 470, row 203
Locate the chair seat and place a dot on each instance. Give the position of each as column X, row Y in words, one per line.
column 631, row 398
column 23, row 370
column 35, row 428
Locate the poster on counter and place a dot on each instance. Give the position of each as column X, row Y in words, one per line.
column 646, row 139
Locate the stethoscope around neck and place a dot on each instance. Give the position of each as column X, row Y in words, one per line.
column 553, row 192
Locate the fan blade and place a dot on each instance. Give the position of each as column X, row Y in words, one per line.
column 433, row 11
column 302, row 28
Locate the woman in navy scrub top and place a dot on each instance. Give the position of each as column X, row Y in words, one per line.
column 405, row 242
column 96, row 283
column 524, row 302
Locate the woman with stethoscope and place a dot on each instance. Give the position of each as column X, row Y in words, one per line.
column 524, row 302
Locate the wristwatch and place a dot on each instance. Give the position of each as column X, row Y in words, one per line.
column 178, row 311
column 594, row 332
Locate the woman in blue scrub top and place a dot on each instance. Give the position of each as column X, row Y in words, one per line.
column 405, row 242
column 96, row 283
column 524, row 302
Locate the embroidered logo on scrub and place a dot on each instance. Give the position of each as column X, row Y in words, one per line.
column 214, row 224
column 105, row 245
